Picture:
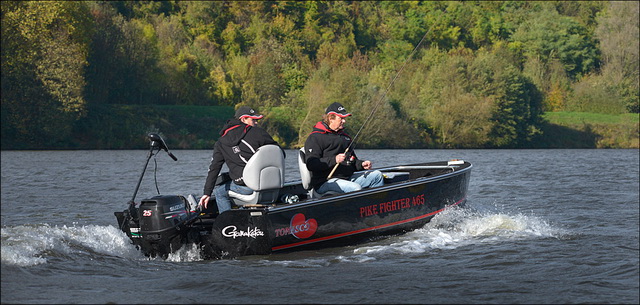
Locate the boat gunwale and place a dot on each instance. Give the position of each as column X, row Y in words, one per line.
column 368, row 191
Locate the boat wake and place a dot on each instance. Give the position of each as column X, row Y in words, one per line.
column 460, row 227
column 30, row 245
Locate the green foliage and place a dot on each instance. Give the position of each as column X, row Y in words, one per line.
column 592, row 94
column 127, row 126
column 550, row 78
column 458, row 115
column 616, row 89
column 478, row 100
column 44, row 50
column 547, row 35
column 205, row 18
column 618, row 31
column 481, row 77
column 122, row 61
column 264, row 84
column 518, row 117
column 281, row 124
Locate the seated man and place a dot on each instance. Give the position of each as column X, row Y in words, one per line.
column 325, row 148
column 239, row 139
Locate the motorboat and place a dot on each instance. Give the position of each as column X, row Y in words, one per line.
column 283, row 216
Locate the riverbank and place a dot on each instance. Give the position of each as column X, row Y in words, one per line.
column 590, row 130
column 196, row 127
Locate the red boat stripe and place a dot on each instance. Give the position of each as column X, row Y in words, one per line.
column 362, row 230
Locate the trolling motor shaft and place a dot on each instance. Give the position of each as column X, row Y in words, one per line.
column 156, row 143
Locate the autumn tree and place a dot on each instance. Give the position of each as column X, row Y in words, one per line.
column 618, row 32
column 44, row 50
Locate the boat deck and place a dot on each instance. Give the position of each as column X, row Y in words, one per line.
column 392, row 175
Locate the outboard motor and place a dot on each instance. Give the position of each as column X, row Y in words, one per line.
column 162, row 222
column 159, row 225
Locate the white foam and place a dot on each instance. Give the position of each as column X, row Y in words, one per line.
column 187, row 253
column 460, row 227
column 29, row 245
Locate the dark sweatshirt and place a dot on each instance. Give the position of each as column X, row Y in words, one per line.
column 321, row 148
column 237, row 143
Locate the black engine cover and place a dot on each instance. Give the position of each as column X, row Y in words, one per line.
column 161, row 223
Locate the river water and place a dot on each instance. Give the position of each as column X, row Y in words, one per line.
column 540, row 226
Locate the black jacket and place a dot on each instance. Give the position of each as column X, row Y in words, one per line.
column 321, row 148
column 237, row 143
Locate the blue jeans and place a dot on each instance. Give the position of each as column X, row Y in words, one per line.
column 222, row 194
column 356, row 182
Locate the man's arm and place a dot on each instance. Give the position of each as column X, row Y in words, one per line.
column 217, row 160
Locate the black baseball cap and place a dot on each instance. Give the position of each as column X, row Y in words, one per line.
column 338, row 109
column 247, row 112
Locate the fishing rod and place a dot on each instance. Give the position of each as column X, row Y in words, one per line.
column 377, row 104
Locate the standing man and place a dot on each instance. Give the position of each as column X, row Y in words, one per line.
column 326, row 146
column 239, row 139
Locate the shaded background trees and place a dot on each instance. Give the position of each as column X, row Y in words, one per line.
column 483, row 77
column 44, row 53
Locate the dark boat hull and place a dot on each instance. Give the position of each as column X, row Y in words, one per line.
column 399, row 206
column 378, row 211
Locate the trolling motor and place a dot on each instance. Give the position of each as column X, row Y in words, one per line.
column 157, row 143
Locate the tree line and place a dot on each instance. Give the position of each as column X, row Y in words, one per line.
column 483, row 75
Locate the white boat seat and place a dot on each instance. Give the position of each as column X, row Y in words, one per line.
column 264, row 174
column 305, row 176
